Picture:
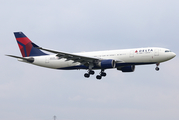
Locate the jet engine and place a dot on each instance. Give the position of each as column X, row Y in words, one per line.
column 129, row 68
column 107, row 63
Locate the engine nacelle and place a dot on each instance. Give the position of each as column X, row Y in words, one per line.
column 107, row 63
column 129, row 68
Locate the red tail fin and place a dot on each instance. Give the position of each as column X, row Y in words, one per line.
column 26, row 47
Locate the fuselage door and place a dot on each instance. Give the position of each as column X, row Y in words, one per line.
column 131, row 53
column 156, row 52
column 47, row 60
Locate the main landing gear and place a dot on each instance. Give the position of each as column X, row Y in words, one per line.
column 101, row 74
column 157, row 68
column 91, row 72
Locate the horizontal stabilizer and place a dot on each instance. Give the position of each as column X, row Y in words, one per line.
column 31, row 60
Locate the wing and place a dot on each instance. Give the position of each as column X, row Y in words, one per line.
column 74, row 57
column 85, row 60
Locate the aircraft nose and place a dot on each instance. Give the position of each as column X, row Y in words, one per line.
column 173, row 54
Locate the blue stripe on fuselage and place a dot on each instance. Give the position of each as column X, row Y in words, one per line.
column 96, row 67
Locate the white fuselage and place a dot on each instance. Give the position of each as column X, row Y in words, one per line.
column 137, row 56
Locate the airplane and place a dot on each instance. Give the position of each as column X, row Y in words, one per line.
column 124, row 60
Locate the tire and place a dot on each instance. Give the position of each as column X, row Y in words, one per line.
column 87, row 75
column 91, row 72
column 157, row 68
column 98, row 77
column 103, row 74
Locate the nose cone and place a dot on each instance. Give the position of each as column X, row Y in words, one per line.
column 169, row 56
column 173, row 55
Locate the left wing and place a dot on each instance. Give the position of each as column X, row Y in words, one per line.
column 73, row 57
column 86, row 60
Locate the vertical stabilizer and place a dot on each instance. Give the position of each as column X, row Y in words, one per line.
column 26, row 47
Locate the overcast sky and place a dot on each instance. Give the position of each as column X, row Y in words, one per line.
column 29, row 92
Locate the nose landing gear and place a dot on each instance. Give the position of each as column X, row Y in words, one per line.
column 157, row 68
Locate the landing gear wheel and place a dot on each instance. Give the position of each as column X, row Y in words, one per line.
column 98, row 77
column 91, row 72
column 87, row 75
column 157, row 69
column 103, row 74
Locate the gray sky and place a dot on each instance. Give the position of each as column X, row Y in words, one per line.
column 35, row 93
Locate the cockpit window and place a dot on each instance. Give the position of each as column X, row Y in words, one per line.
column 167, row 51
